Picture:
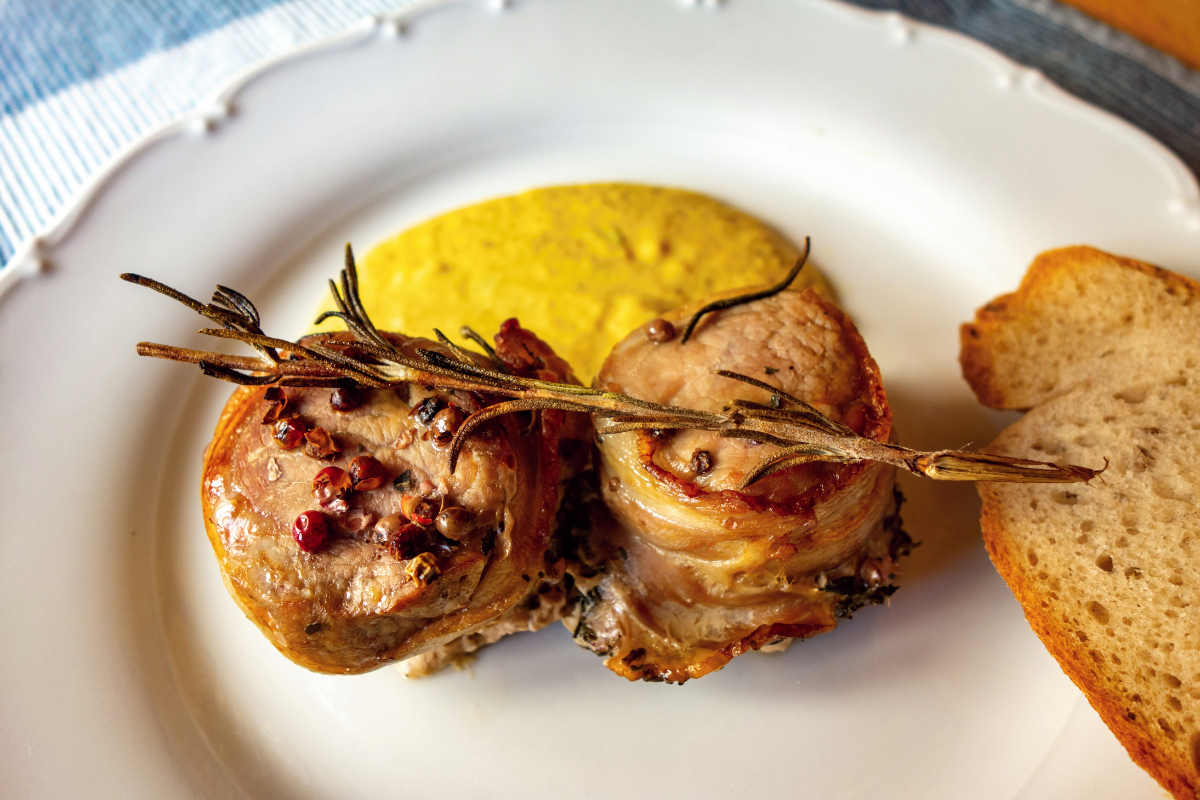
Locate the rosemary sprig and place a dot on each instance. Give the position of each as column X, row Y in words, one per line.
column 730, row 302
column 467, row 332
column 801, row 432
column 231, row 309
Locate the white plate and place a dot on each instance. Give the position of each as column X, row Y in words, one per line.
column 928, row 170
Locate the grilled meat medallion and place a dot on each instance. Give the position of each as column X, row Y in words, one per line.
column 687, row 571
column 414, row 562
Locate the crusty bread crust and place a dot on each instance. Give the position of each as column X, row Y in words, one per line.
column 1177, row 776
column 1073, row 312
column 1105, row 351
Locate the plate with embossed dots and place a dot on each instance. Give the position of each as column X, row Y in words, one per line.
column 928, row 169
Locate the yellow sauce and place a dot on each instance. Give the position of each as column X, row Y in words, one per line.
column 581, row 266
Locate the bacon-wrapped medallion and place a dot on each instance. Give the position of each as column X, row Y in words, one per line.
column 414, row 559
column 693, row 570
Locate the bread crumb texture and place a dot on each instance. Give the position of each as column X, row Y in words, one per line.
column 1103, row 351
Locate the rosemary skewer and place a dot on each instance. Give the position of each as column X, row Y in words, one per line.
column 730, row 302
column 802, row 433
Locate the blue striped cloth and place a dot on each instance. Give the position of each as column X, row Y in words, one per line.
column 82, row 80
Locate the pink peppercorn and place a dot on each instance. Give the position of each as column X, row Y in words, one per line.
column 310, row 530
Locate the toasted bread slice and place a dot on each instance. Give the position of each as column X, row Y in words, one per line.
column 1104, row 351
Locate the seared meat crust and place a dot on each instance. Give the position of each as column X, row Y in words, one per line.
column 352, row 606
column 683, row 571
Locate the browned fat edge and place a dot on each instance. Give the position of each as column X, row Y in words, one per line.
column 628, row 666
column 877, row 425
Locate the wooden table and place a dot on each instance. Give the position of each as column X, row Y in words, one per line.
column 1172, row 26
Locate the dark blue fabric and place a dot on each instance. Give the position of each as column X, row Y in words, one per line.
column 1091, row 71
column 48, row 45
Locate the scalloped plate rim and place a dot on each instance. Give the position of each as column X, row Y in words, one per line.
column 220, row 106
